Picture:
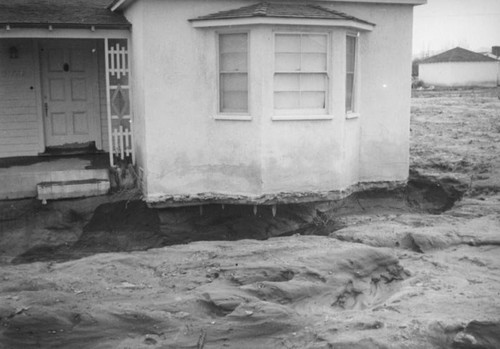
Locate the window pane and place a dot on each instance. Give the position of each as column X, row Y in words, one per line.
column 287, row 82
column 313, row 62
column 349, row 92
column 305, row 57
column 287, row 43
column 286, row 100
column 234, row 101
column 350, row 53
column 233, row 43
column 312, row 82
column 234, row 82
column 314, row 43
column 233, row 87
column 287, row 62
column 309, row 100
column 233, row 62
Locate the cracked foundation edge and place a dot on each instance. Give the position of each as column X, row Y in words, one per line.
column 166, row 201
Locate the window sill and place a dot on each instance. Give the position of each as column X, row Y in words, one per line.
column 301, row 117
column 351, row 115
column 233, row 117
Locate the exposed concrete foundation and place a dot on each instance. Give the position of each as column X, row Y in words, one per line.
column 269, row 199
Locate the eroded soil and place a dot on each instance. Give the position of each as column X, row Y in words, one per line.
column 407, row 269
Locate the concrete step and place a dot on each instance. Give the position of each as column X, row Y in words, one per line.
column 20, row 179
column 71, row 189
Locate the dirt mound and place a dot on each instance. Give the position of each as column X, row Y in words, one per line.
column 478, row 335
column 217, row 292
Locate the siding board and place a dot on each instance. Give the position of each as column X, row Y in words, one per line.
column 28, row 125
column 102, row 96
column 19, row 128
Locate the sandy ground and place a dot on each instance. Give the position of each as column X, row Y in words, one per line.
column 375, row 271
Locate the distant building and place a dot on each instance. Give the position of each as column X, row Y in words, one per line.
column 460, row 67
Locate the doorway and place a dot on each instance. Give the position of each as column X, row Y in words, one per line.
column 70, row 94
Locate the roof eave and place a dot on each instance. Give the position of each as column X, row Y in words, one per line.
column 317, row 22
column 125, row 26
column 121, row 4
column 441, row 62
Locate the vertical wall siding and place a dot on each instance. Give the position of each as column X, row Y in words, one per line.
column 19, row 125
column 102, row 96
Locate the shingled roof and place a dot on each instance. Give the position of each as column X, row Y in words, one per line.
column 281, row 10
column 60, row 14
column 458, row 54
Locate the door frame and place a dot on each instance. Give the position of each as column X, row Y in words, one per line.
column 95, row 128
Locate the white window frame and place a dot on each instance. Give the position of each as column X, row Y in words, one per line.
column 305, row 114
column 220, row 115
column 354, row 113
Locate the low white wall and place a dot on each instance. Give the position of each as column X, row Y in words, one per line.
column 459, row 73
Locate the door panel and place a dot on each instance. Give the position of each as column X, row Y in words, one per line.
column 58, row 121
column 80, row 123
column 78, row 89
column 70, row 92
column 56, row 90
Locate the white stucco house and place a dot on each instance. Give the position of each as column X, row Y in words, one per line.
column 213, row 101
column 460, row 67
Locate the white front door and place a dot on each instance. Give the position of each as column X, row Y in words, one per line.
column 70, row 92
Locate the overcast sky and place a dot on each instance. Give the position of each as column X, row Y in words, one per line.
column 443, row 24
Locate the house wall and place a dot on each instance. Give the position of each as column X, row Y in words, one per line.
column 385, row 92
column 189, row 152
column 139, row 61
column 19, row 121
column 460, row 73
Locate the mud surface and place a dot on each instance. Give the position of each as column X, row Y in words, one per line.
column 417, row 268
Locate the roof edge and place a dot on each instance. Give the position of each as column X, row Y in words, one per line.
column 121, row 4
column 262, row 20
column 66, row 25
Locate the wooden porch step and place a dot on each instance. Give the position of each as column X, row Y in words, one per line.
column 71, row 189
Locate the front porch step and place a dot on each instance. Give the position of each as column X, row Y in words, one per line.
column 71, row 189
column 19, row 176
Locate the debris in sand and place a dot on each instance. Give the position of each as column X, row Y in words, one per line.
column 201, row 339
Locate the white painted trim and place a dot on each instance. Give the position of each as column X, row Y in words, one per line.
column 233, row 117
column 301, row 117
column 96, row 97
column 225, row 115
column 304, row 114
column 234, row 22
column 38, row 95
column 125, row 3
column 61, row 33
column 108, row 101
column 349, row 114
column 120, row 3
column 130, row 100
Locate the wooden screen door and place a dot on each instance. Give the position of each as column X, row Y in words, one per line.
column 70, row 92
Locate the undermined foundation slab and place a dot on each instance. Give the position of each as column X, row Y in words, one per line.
column 166, row 201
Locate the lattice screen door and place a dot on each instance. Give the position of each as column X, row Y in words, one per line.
column 118, row 101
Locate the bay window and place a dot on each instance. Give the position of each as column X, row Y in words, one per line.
column 350, row 79
column 233, row 73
